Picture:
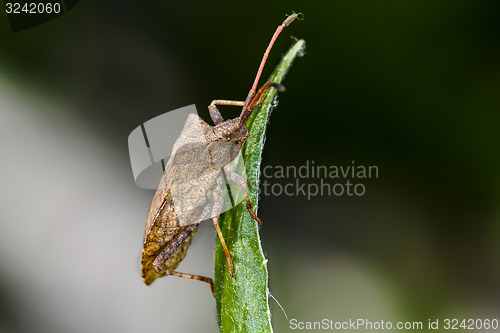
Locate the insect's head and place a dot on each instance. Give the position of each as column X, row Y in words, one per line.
column 231, row 130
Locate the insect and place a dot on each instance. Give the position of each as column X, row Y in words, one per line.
column 191, row 188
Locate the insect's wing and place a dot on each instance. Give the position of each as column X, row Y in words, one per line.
column 196, row 195
column 194, row 133
column 216, row 154
column 182, row 197
column 192, row 153
column 194, row 180
column 173, row 194
column 202, row 191
column 163, row 229
column 162, row 209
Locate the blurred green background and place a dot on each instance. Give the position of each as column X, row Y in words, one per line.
column 409, row 86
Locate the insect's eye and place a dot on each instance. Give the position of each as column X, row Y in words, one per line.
column 225, row 134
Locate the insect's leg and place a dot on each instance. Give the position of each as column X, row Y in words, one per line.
column 214, row 112
column 170, row 249
column 243, row 184
column 216, row 211
column 187, row 276
column 215, row 219
column 261, row 93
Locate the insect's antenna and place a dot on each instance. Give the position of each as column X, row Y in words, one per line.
column 246, row 108
column 285, row 23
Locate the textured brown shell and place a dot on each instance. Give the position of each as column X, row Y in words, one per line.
column 197, row 155
column 162, row 229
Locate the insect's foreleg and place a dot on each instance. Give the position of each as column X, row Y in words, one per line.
column 215, row 113
column 216, row 210
column 243, row 184
column 170, row 249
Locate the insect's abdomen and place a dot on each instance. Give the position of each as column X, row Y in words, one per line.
column 163, row 238
column 162, row 229
column 177, row 256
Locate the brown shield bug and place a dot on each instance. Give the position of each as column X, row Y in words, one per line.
column 191, row 188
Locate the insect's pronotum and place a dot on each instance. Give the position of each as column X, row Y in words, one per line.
column 190, row 186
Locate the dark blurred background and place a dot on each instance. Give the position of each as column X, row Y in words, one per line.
column 411, row 87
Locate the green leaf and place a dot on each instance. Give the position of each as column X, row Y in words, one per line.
column 242, row 301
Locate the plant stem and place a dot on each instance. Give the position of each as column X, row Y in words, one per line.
column 242, row 301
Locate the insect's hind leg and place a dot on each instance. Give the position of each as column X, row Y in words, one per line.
column 243, row 184
column 215, row 113
column 187, row 276
column 171, row 249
